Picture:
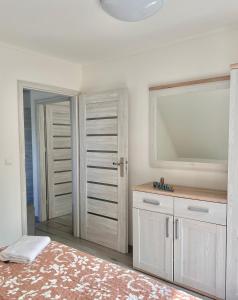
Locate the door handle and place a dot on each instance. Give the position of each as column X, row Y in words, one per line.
column 120, row 164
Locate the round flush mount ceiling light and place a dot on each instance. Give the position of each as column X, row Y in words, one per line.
column 131, row 10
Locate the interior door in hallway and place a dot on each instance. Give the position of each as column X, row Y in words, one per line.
column 103, row 168
column 58, row 159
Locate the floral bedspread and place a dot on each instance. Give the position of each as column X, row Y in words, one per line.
column 61, row 272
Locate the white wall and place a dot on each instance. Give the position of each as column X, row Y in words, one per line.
column 192, row 58
column 16, row 65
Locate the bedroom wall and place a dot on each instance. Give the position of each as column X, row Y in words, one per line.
column 16, row 64
column 197, row 57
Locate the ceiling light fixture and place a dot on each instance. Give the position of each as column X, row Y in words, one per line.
column 131, row 10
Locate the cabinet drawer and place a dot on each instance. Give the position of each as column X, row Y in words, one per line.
column 200, row 210
column 152, row 202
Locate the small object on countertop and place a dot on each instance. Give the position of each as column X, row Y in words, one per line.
column 161, row 181
column 160, row 185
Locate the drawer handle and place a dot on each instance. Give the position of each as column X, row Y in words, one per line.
column 151, row 201
column 198, row 209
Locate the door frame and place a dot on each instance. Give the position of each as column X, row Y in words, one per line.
column 73, row 95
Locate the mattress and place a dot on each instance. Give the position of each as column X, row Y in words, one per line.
column 61, row 272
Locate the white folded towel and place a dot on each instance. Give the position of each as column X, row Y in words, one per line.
column 25, row 250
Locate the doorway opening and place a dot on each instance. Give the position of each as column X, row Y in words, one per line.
column 56, row 226
column 50, row 147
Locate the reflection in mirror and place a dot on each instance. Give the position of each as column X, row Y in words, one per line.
column 191, row 123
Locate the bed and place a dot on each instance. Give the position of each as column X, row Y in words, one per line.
column 61, row 272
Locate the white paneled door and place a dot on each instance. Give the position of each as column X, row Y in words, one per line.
column 153, row 242
column 103, row 168
column 58, row 159
column 200, row 256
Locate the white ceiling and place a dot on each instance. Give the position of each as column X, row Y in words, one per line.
column 79, row 30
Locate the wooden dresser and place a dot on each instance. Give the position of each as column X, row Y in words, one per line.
column 180, row 236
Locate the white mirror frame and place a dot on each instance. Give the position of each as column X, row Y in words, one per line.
column 169, row 89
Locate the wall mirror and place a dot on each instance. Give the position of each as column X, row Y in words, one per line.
column 189, row 124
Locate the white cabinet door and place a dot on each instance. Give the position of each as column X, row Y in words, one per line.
column 153, row 243
column 199, row 256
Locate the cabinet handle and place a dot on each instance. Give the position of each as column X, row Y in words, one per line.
column 198, row 209
column 176, row 229
column 151, row 201
column 167, row 227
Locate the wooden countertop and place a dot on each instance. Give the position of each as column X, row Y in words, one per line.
column 186, row 192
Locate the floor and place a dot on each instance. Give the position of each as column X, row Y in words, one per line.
column 60, row 230
column 62, row 223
